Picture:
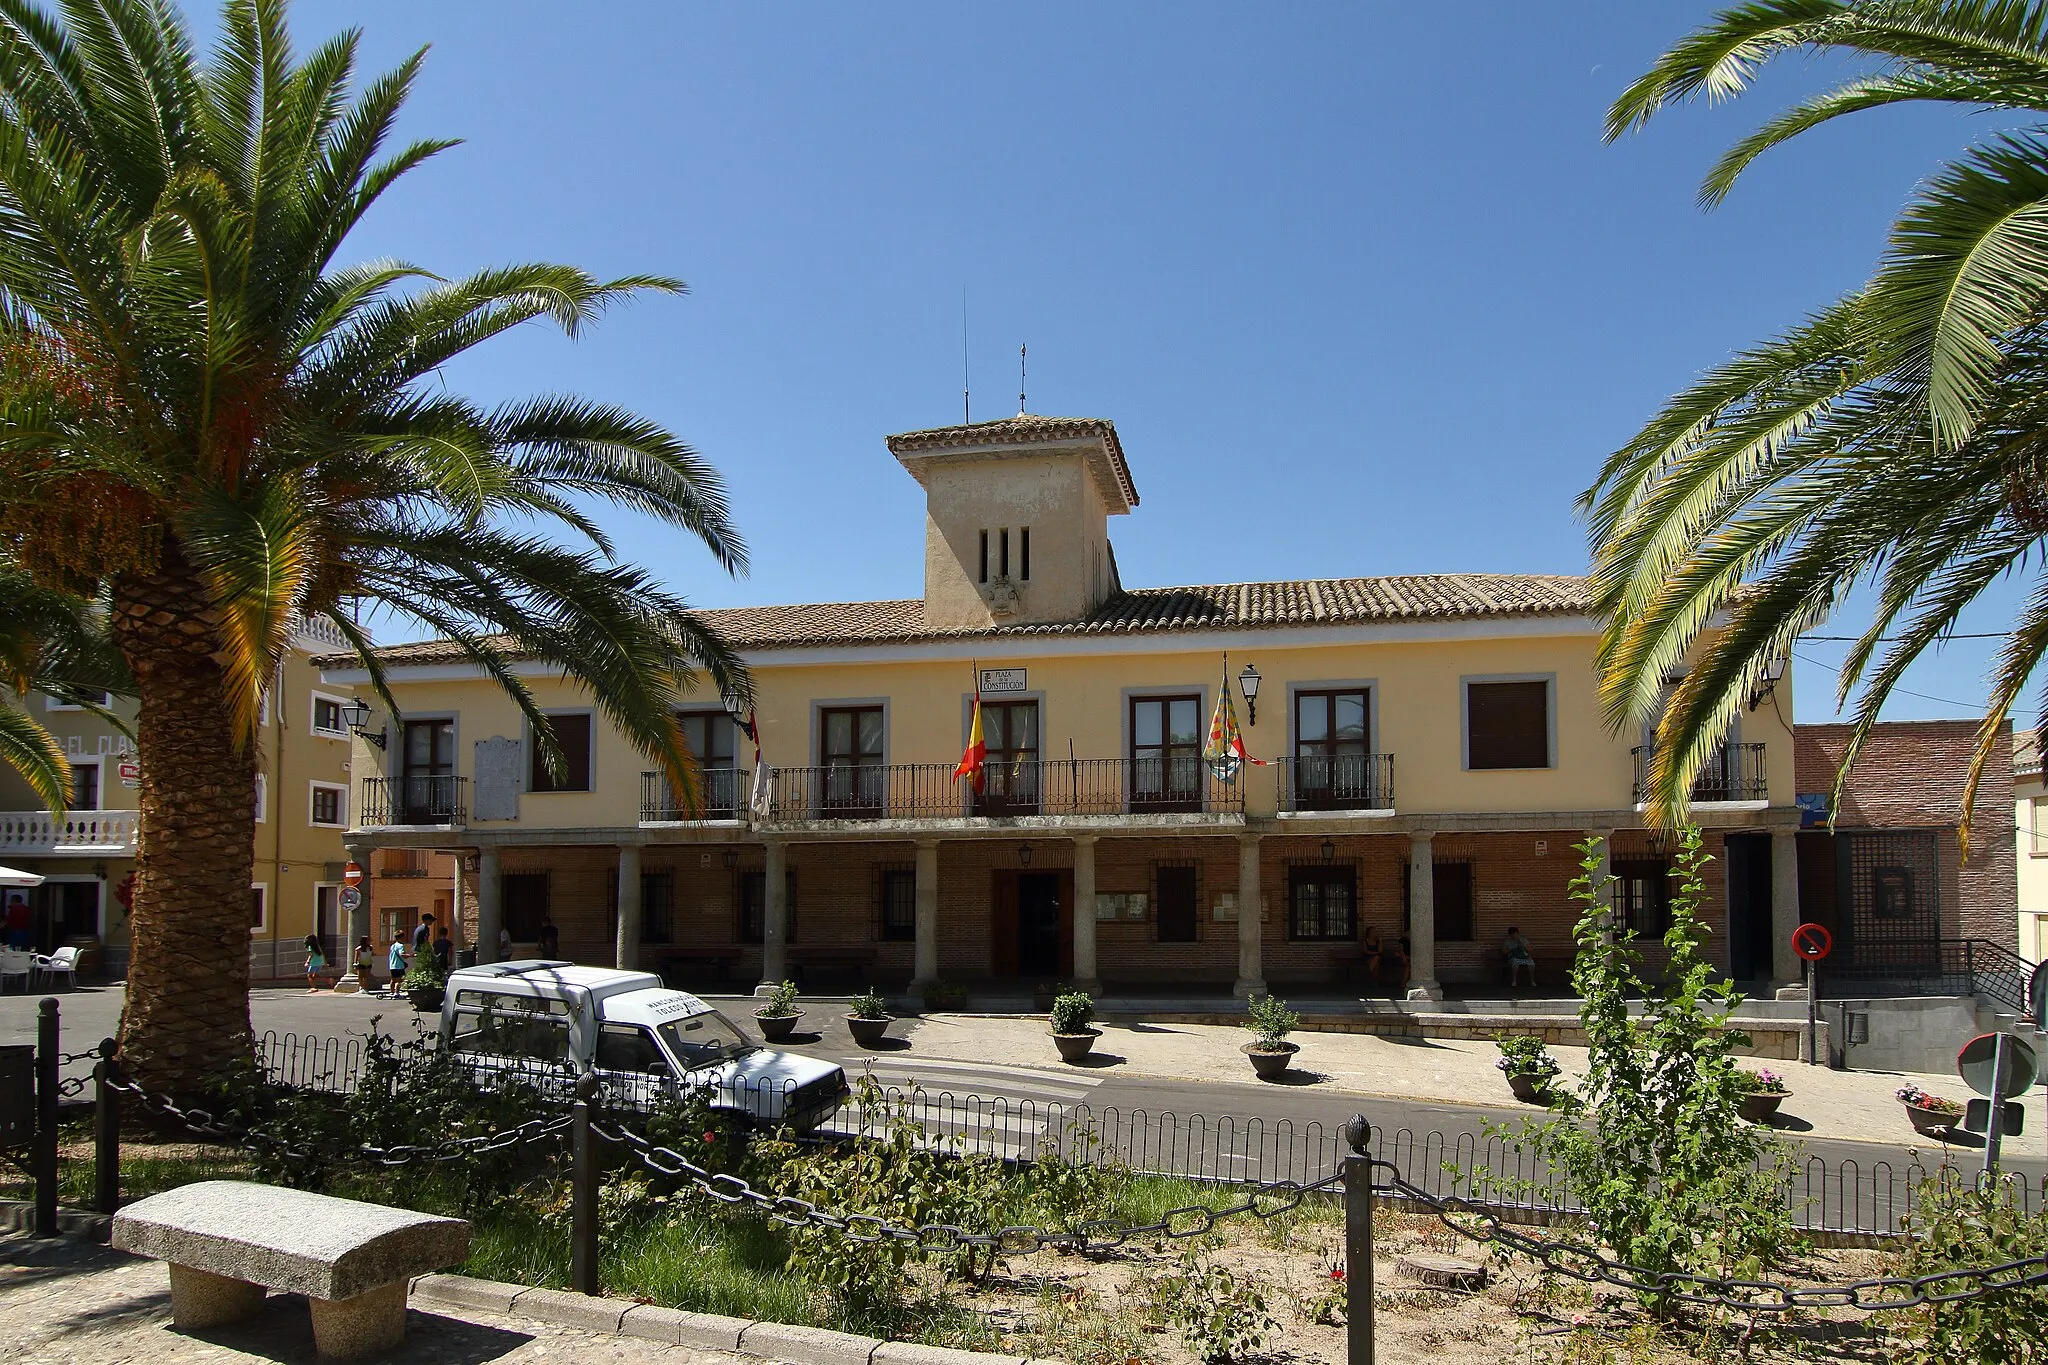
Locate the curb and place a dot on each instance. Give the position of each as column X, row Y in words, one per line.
column 676, row 1327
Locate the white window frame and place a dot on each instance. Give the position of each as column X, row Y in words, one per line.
column 262, row 926
column 50, row 703
column 262, row 798
column 1465, row 717
column 313, row 712
column 100, row 785
column 314, row 787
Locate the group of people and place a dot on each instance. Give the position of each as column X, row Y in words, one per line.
column 1374, row 953
column 426, row 938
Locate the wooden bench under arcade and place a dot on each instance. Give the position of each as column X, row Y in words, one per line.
column 228, row 1241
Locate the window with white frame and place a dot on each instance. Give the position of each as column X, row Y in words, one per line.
column 259, row 907
column 325, row 718
column 262, row 797
column 329, row 805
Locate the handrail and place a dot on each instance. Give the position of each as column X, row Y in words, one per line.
column 1337, row 782
column 418, row 799
column 1736, row 772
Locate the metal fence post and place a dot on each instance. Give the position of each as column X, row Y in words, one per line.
column 45, row 1158
column 106, row 1133
column 1358, row 1292
column 583, row 1192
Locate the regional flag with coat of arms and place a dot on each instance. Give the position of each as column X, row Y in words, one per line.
column 1225, row 751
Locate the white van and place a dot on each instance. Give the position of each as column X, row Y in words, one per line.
column 552, row 1022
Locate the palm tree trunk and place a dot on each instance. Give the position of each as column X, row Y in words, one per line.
column 186, row 1020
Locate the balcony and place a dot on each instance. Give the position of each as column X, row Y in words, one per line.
column 1734, row 773
column 81, row 833
column 437, row 800
column 929, row 791
column 1343, row 782
column 723, row 797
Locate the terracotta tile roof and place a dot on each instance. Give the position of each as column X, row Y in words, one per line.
column 2026, row 751
column 1145, row 611
column 1024, row 429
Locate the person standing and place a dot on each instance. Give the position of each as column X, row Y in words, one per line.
column 366, row 962
column 394, row 962
column 504, row 944
column 444, row 950
column 18, row 921
column 550, row 937
column 316, row 962
column 423, row 934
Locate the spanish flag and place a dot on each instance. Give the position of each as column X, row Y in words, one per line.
column 975, row 757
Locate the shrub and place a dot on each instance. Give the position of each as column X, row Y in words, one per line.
column 1220, row 1317
column 1959, row 1223
column 781, row 1002
column 869, row 1004
column 1521, row 1055
column 1072, row 1012
column 1652, row 1140
column 1270, row 1021
column 944, row 995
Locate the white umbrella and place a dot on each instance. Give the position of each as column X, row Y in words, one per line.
column 9, row 877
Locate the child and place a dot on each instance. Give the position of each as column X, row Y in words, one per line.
column 366, row 959
column 394, row 962
column 316, row 962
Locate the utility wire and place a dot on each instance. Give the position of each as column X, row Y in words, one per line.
column 1902, row 691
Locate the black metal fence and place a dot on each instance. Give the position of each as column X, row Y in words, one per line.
column 1735, row 772
column 1930, row 966
column 1178, row 784
column 1337, row 782
column 415, row 799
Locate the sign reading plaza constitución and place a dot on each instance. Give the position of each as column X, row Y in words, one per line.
column 1002, row 680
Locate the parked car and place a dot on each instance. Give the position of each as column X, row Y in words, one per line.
column 551, row 1022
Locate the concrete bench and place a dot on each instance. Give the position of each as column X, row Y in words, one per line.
column 228, row 1241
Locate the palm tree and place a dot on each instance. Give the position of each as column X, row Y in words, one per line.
column 54, row 643
column 1898, row 438
column 207, row 421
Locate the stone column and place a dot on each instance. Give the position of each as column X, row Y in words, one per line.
column 490, row 904
column 626, row 952
column 1785, row 966
column 1086, row 976
column 926, row 971
column 1251, row 970
column 365, row 857
column 1422, row 983
column 774, row 918
column 457, row 928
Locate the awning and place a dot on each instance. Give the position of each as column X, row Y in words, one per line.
column 10, row 877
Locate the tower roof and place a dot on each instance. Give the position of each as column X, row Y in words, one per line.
column 1106, row 458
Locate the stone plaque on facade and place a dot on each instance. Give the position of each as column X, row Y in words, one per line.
column 500, row 776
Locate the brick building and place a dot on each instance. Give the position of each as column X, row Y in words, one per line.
column 1889, row 880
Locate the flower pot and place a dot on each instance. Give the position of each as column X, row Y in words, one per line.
column 426, row 999
column 1761, row 1106
column 1271, row 1065
column 1074, row 1046
column 867, row 1032
column 776, row 1028
column 1530, row 1088
column 1931, row 1122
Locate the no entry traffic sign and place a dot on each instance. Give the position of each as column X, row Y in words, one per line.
column 1812, row 941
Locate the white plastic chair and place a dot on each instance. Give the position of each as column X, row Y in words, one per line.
column 16, row 963
column 63, row 962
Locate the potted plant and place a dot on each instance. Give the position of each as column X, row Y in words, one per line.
column 423, row 983
column 1529, row 1067
column 1270, row 1021
column 1069, row 1016
column 868, row 1018
column 777, row 1015
column 1767, row 1090
column 1932, row 1115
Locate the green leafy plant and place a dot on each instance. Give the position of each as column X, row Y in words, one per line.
column 1960, row 1222
column 781, row 1002
column 1270, row 1021
column 1080, row 1184
column 424, row 973
column 1652, row 1140
column 869, row 1004
column 1521, row 1055
column 1764, row 1081
column 944, row 995
column 1072, row 1012
column 1220, row 1316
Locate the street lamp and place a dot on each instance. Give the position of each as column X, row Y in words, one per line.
column 356, row 715
column 1774, row 670
column 1329, row 852
column 1024, row 855
column 1248, row 683
column 730, row 856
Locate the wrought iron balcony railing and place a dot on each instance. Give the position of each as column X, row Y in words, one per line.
column 722, row 795
column 1339, row 782
column 910, row 791
column 1734, row 773
column 416, row 799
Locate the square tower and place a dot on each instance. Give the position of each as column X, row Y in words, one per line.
column 1017, row 518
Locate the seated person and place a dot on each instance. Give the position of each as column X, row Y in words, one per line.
column 1370, row 950
column 1516, row 949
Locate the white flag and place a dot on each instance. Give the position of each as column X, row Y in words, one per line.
column 762, row 802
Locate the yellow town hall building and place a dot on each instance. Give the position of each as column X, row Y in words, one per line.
column 1435, row 741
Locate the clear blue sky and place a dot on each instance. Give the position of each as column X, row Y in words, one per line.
column 1359, row 283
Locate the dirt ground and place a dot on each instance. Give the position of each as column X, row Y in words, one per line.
column 1112, row 1311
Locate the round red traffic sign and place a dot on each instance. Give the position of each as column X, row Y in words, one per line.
column 352, row 874
column 1812, row 941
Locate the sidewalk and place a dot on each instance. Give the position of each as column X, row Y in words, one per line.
column 67, row 1300
column 1857, row 1105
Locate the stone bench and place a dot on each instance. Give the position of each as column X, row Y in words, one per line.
column 228, row 1241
